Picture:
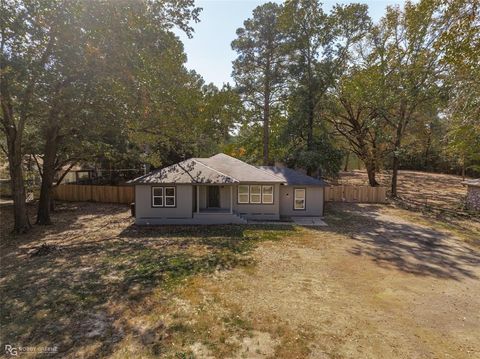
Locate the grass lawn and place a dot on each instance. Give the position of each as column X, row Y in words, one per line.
column 377, row 282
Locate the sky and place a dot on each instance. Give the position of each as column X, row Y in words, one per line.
column 209, row 52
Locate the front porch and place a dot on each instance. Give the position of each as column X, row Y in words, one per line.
column 213, row 199
column 215, row 210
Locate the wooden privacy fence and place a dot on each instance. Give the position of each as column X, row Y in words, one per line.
column 105, row 194
column 359, row 194
column 125, row 194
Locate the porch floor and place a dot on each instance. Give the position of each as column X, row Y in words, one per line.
column 214, row 210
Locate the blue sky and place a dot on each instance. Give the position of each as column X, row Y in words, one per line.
column 209, row 52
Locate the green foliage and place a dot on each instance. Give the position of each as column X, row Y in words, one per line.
column 260, row 69
column 460, row 43
column 326, row 159
column 318, row 45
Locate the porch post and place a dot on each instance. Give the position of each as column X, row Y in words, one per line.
column 198, row 199
column 231, row 199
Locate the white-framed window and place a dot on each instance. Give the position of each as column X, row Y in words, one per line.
column 243, row 193
column 299, row 200
column 267, row 194
column 157, row 196
column 169, row 196
column 255, row 194
column 163, row 197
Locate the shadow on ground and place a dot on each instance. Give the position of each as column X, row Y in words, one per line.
column 395, row 243
column 75, row 297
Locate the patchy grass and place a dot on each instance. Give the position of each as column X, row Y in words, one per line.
column 105, row 273
column 377, row 282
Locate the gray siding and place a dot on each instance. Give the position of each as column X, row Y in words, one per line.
column 225, row 196
column 143, row 203
column 185, row 201
column 313, row 201
column 258, row 211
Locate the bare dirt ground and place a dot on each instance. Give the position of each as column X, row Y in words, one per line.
column 440, row 197
column 383, row 287
column 378, row 282
column 435, row 189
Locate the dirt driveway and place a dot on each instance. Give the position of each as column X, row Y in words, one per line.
column 376, row 286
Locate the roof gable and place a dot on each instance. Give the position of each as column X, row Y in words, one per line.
column 218, row 169
column 238, row 169
column 188, row 171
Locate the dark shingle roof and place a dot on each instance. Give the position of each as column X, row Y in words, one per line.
column 188, row 171
column 241, row 171
column 292, row 177
column 218, row 169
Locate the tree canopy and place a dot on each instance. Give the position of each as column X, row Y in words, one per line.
column 106, row 83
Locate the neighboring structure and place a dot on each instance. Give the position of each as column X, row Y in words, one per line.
column 473, row 194
column 222, row 189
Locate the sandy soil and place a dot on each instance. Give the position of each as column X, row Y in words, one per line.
column 378, row 282
column 383, row 287
column 435, row 189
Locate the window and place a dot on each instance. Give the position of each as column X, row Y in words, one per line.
column 255, row 194
column 163, row 196
column 157, row 196
column 267, row 194
column 243, row 194
column 169, row 196
column 299, row 200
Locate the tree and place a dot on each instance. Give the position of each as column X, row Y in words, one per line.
column 318, row 47
column 259, row 70
column 222, row 111
column 460, row 44
column 353, row 114
column 309, row 39
column 409, row 65
column 22, row 64
column 49, row 49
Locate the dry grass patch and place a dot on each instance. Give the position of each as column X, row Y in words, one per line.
column 377, row 282
column 435, row 189
column 104, row 286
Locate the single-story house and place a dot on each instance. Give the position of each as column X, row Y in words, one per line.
column 222, row 189
column 473, row 194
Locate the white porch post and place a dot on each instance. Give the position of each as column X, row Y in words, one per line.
column 198, row 199
column 231, row 199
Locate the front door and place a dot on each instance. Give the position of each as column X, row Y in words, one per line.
column 213, row 197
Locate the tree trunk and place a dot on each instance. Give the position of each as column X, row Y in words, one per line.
column 427, row 153
column 347, row 157
column 17, row 183
column 310, row 146
column 44, row 204
column 266, row 120
column 13, row 136
column 20, row 214
column 371, row 172
column 393, row 189
column 310, row 124
column 48, row 176
column 396, row 159
column 266, row 133
column 310, row 109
